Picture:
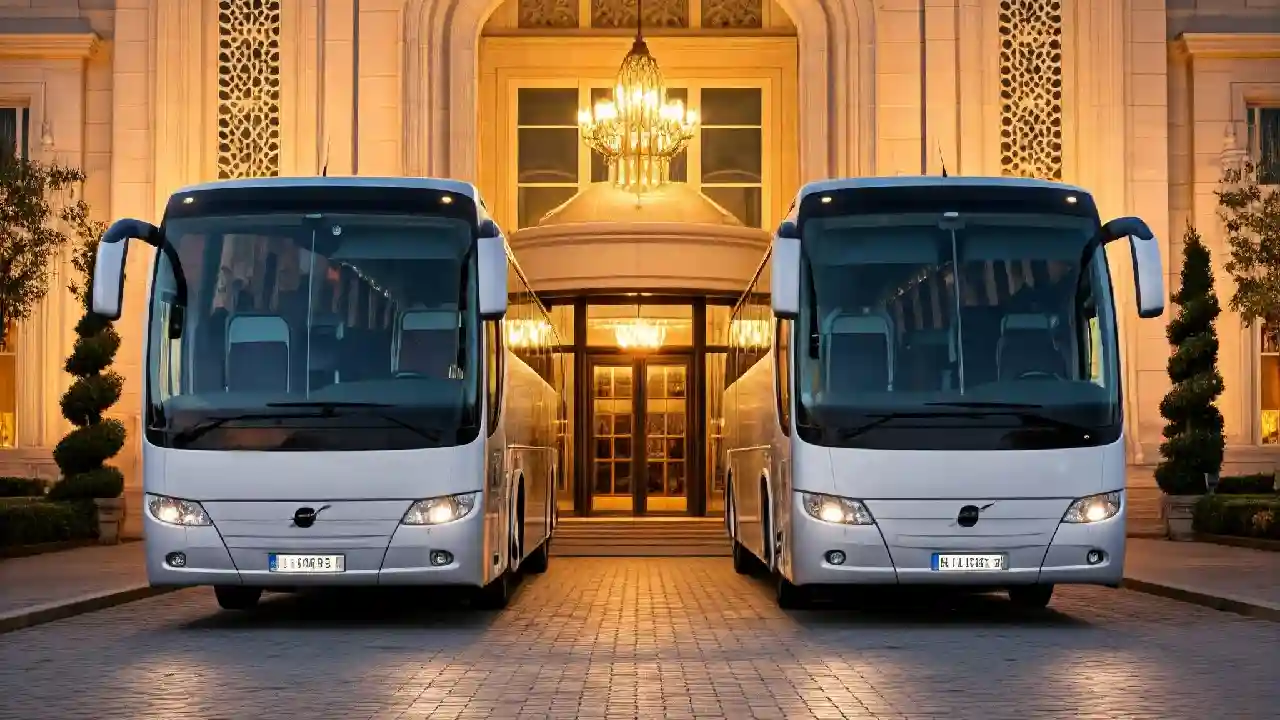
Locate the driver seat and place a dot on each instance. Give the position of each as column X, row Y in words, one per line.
column 426, row 341
column 1027, row 345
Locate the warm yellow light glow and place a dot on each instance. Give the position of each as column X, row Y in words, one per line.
column 527, row 333
column 749, row 333
column 831, row 512
column 638, row 132
column 1096, row 512
column 639, row 334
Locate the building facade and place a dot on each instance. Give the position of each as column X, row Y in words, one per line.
column 1140, row 101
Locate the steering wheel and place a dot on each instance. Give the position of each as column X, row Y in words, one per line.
column 1039, row 375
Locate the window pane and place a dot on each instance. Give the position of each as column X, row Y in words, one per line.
column 8, row 130
column 716, row 471
column 731, row 106
column 548, row 155
column 547, row 106
column 731, row 155
column 743, row 202
column 535, row 202
column 1264, row 142
column 718, row 324
column 604, row 322
column 562, row 321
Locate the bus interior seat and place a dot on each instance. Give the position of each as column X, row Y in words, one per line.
column 258, row 353
column 1027, row 345
column 980, row 333
column 426, row 341
column 863, row 343
column 324, row 365
column 927, row 360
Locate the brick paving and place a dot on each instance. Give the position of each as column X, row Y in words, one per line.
column 27, row 582
column 645, row 638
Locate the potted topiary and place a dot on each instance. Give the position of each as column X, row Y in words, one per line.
column 1191, row 454
column 82, row 454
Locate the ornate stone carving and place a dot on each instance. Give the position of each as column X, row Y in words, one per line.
column 548, row 13
column 248, row 88
column 1031, row 88
column 733, row 13
column 622, row 13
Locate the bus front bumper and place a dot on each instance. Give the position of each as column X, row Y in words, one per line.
column 404, row 558
column 869, row 560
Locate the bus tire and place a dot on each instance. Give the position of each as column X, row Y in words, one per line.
column 497, row 594
column 742, row 560
column 1031, row 597
column 789, row 595
column 237, row 597
column 539, row 559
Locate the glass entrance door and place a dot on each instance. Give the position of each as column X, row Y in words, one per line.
column 640, row 435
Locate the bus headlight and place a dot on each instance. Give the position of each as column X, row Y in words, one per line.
column 1094, row 508
column 172, row 511
column 440, row 510
column 837, row 510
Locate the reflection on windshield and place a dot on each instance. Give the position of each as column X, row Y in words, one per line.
column 994, row 317
column 368, row 318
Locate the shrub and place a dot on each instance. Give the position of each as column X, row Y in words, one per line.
column 41, row 521
column 1194, row 442
column 82, row 454
column 1256, row 516
column 21, row 487
column 1255, row 484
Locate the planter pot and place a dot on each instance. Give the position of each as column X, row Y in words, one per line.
column 1176, row 511
column 110, row 517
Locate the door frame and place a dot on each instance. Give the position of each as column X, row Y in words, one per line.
column 639, row 363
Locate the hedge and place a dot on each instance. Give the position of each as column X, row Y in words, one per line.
column 21, row 487
column 1255, row 484
column 41, row 521
column 1255, row 516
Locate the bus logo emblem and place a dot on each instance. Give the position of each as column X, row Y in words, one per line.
column 305, row 517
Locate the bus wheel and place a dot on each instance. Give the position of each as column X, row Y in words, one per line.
column 743, row 562
column 1031, row 597
column 539, row 559
column 237, row 597
column 497, row 594
column 789, row 595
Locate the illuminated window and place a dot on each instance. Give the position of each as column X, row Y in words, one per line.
column 9, row 389
column 725, row 160
column 1269, row 385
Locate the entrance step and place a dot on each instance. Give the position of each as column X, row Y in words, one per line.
column 640, row 537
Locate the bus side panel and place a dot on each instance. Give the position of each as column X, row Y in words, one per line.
column 756, row 449
column 528, row 420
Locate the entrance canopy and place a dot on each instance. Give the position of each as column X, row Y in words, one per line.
column 672, row 238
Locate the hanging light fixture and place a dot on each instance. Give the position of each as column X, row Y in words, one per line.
column 639, row 334
column 638, row 132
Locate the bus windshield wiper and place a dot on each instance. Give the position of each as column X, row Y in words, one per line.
column 183, row 437
column 886, row 417
column 1020, row 411
column 329, row 408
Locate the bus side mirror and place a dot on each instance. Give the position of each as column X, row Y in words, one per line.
column 784, row 280
column 107, row 286
column 491, row 260
column 1148, row 275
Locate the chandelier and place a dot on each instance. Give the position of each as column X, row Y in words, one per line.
column 638, row 132
column 639, row 334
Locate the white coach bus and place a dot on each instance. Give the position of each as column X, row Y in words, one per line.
column 331, row 395
column 924, row 388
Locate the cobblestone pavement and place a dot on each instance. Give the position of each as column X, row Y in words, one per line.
column 645, row 638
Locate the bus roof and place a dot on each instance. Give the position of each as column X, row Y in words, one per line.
column 853, row 183
column 422, row 183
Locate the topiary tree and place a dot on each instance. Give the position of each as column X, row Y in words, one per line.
column 1194, row 441
column 82, row 454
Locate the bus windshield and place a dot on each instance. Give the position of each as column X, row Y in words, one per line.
column 314, row 331
column 976, row 331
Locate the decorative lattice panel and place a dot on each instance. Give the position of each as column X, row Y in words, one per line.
column 732, row 13
column 548, row 13
column 1031, row 88
column 248, row 88
column 657, row 13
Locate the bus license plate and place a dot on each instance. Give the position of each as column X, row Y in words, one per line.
column 306, row 563
column 946, row 562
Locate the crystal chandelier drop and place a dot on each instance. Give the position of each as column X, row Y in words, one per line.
column 639, row 334
column 638, row 132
